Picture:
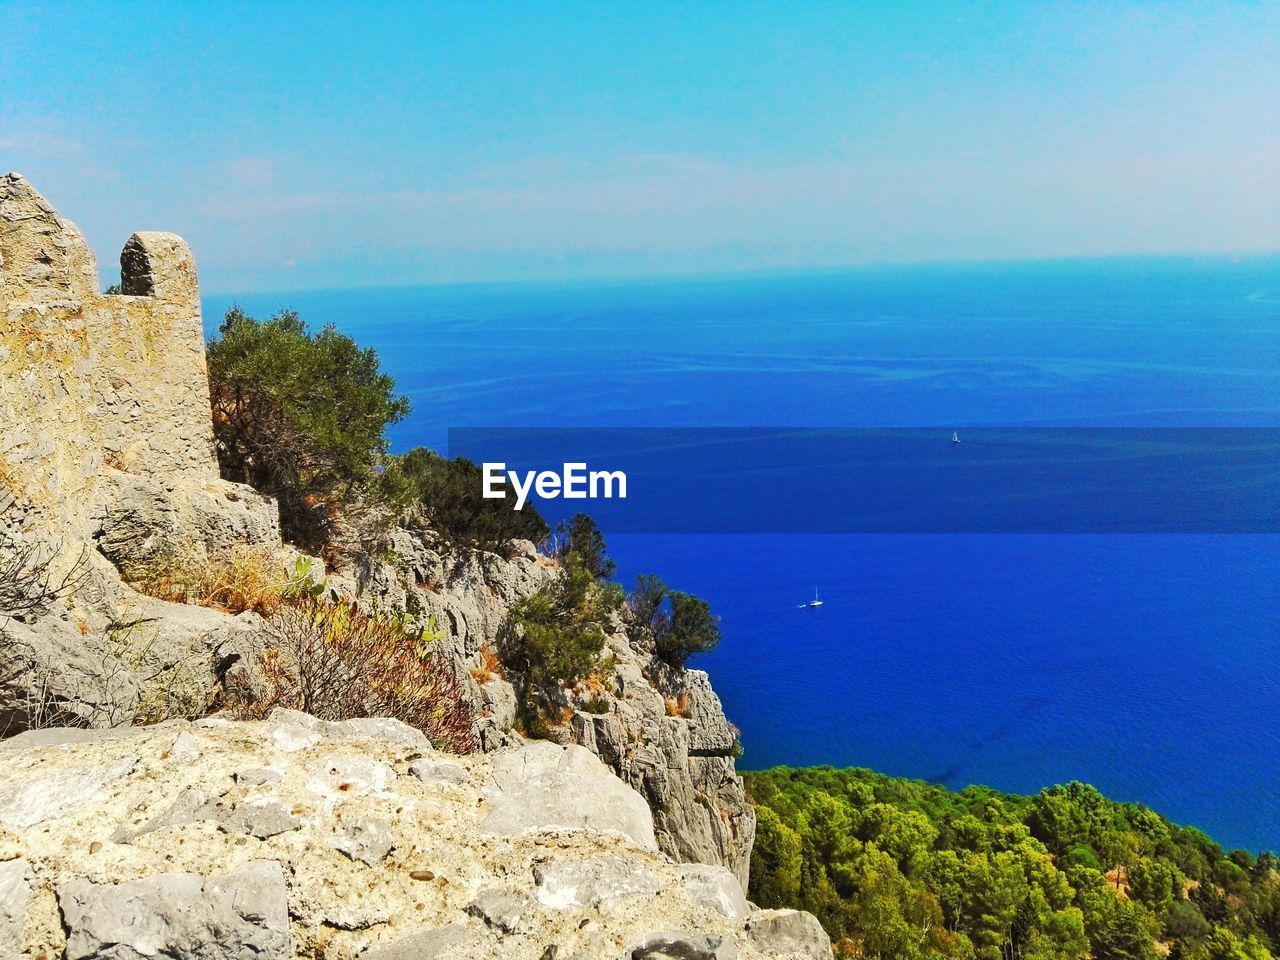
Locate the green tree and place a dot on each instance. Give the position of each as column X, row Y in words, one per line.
column 580, row 535
column 692, row 629
column 300, row 416
column 775, row 862
column 679, row 624
column 449, row 498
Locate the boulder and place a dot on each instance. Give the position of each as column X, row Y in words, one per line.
column 35, row 799
column 683, row 945
column 715, row 888
column 242, row 915
column 791, row 932
column 130, row 849
column 15, row 897
column 592, row 882
column 541, row 786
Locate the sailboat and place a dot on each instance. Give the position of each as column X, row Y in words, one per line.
column 955, row 437
column 815, row 602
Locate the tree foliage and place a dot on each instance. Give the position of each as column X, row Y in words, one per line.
column 449, row 500
column 680, row 624
column 554, row 637
column 300, row 416
column 581, row 536
column 903, row 869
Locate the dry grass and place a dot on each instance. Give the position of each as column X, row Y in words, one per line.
column 490, row 665
column 336, row 662
column 679, row 705
column 247, row 578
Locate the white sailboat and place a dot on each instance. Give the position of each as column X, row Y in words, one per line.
column 955, row 437
column 815, row 602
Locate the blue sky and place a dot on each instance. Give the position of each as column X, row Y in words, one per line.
column 332, row 145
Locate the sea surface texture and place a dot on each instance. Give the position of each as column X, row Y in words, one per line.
column 1146, row 664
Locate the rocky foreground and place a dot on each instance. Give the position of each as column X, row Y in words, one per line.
column 295, row 837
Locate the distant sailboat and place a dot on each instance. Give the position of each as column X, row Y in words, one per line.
column 955, row 437
column 815, row 602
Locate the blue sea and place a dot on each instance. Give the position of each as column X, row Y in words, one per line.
column 1146, row 664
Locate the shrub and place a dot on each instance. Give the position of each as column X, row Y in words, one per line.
column 300, row 416
column 448, row 497
column 678, row 706
column 333, row 660
column 30, row 579
column 647, row 602
column 554, row 638
column 245, row 578
column 581, row 536
column 679, row 623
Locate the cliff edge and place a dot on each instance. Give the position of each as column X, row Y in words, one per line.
column 106, row 466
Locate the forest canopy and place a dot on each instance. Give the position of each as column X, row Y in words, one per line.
column 908, row 870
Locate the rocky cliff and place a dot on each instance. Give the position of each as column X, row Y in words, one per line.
column 661, row 730
column 105, row 466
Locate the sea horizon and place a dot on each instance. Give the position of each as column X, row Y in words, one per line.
column 1145, row 665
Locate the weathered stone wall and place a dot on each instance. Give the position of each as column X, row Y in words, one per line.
column 88, row 380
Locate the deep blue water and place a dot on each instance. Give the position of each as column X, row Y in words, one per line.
column 1148, row 665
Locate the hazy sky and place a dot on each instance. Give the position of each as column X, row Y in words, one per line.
column 319, row 145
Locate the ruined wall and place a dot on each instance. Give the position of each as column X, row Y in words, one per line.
column 90, row 381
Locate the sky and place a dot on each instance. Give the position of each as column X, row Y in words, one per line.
column 316, row 145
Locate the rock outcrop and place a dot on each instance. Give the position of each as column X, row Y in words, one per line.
column 106, row 461
column 662, row 731
column 293, row 837
column 106, row 466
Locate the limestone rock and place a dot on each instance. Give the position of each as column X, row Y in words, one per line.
column 715, row 888
column 15, row 897
column 682, row 945
column 35, row 799
column 262, row 817
column 789, row 932
column 506, row 910
column 152, row 864
column 430, row 770
column 241, row 915
column 141, row 519
column 428, row 945
column 542, row 786
column 682, row 765
column 367, row 839
column 592, row 882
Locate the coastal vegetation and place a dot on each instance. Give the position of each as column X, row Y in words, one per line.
column 679, row 623
column 445, row 497
column 300, row 416
column 554, row 638
column 913, row 871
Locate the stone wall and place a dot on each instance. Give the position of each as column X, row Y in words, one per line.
column 91, row 381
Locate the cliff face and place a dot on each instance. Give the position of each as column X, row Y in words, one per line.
column 663, row 731
column 106, row 463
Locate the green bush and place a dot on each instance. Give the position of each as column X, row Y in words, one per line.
column 581, row 536
column 448, row 495
column 300, row 416
column 554, row 638
column 679, row 623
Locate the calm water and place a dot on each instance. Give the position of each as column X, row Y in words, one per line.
column 1147, row 665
